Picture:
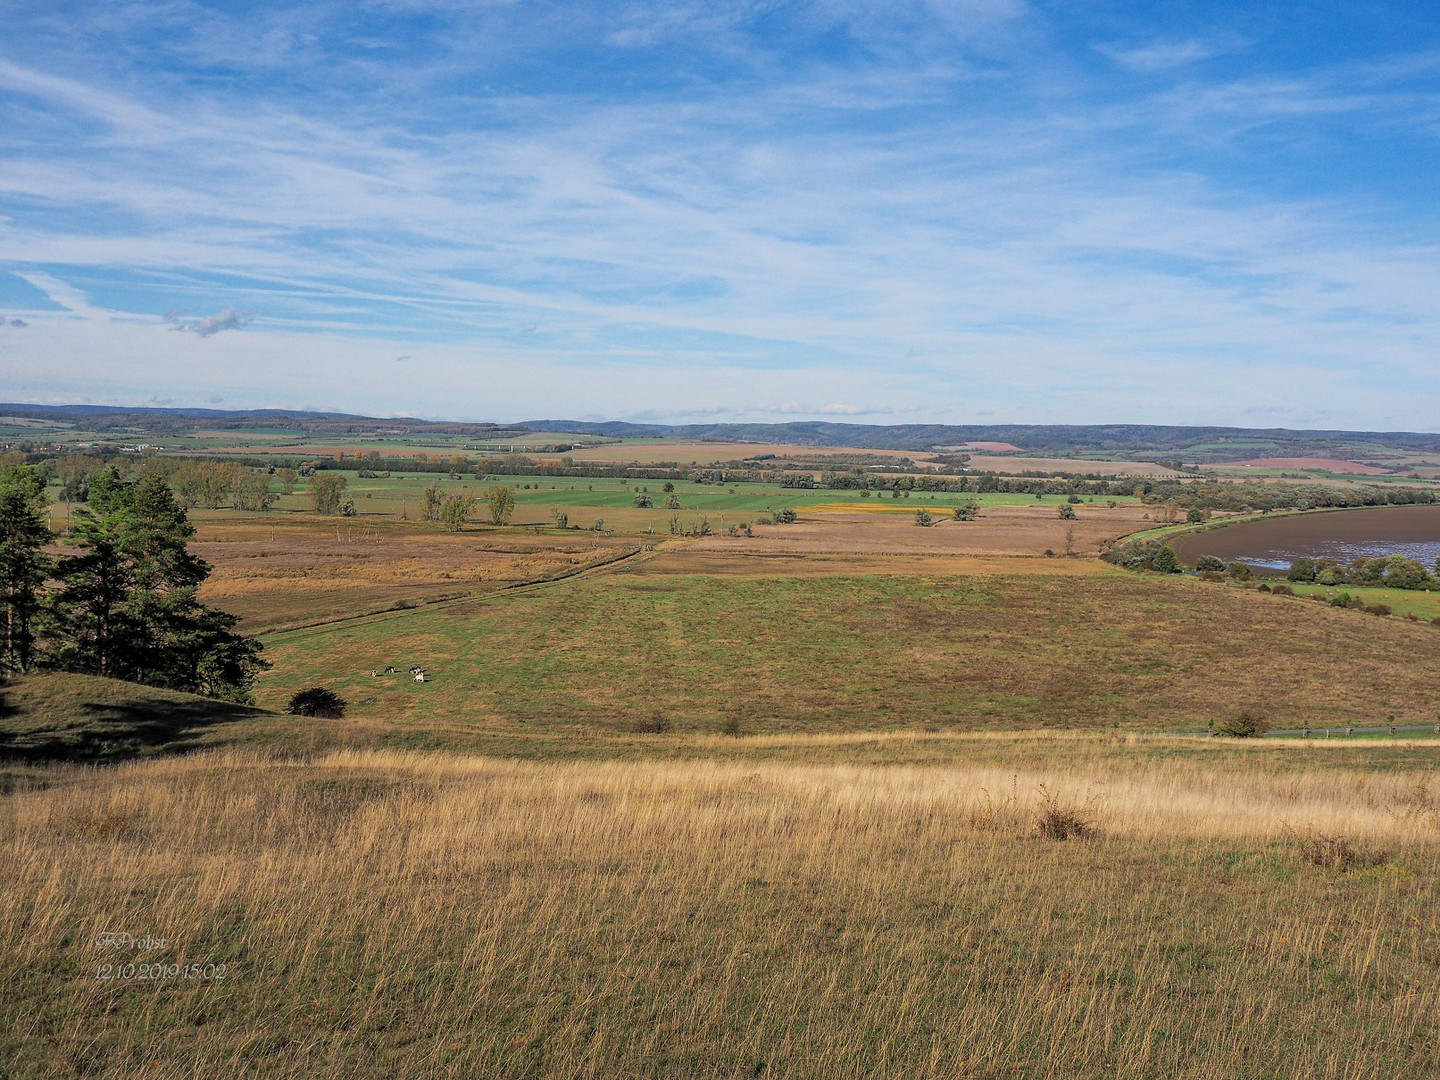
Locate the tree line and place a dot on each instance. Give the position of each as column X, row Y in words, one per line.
column 118, row 599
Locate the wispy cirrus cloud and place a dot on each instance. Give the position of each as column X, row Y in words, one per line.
column 1157, row 56
column 952, row 207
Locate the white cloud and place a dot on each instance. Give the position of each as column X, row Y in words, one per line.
column 210, row 325
column 1166, row 55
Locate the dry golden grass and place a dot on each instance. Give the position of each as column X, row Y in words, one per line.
column 694, row 557
column 383, row 914
column 887, row 527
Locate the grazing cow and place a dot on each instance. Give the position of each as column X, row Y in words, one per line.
column 374, row 674
column 419, row 676
column 416, row 670
column 390, row 670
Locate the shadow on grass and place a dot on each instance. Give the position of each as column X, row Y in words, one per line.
column 91, row 730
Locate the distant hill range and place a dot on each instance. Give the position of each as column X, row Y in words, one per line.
column 1126, row 441
column 130, row 421
column 1071, row 440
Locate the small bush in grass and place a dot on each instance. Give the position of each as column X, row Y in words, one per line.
column 1377, row 609
column 1060, row 822
column 1211, row 575
column 1239, row 571
column 731, row 725
column 1282, row 590
column 317, row 701
column 1210, row 564
column 1334, row 852
column 1263, row 588
column 1246, row 725
column 1343, row 600
column 657, row 723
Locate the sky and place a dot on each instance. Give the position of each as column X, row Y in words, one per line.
column 912, row 211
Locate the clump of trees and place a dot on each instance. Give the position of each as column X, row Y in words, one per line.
column 455, row 511
column 317, row 701
column 327, row 492
column 1143, row 555
column 1385, row 571
column 501, row 502
column 119, row 601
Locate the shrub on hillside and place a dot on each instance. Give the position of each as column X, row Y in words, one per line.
column 1210, row 564
column 1058, row 821
column 1282, row 590
column 317, row 701
column 1143, row 555
column 1247, row 725
column 1165, row 562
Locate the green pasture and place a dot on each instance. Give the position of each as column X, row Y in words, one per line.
column 586, row 498
column 602, row 654
column 1423, row 604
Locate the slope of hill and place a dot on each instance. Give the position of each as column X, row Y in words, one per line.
column 59, row 716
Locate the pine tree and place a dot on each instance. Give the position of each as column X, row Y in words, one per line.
column 127, row 608
column 24, row 566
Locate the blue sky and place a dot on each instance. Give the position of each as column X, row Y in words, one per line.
column 918, row 211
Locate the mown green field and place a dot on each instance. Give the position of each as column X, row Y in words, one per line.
column 1422, row 603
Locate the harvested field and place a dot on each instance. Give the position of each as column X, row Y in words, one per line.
column 825, row 653
column 286, row 572
column 705, row 453
column 993, row 447
column 888, row 527
column 1054, row 465
column 1328, row 465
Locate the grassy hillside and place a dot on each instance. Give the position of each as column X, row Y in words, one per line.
column 602, row 655
column 57, row 716
column 418, row 916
